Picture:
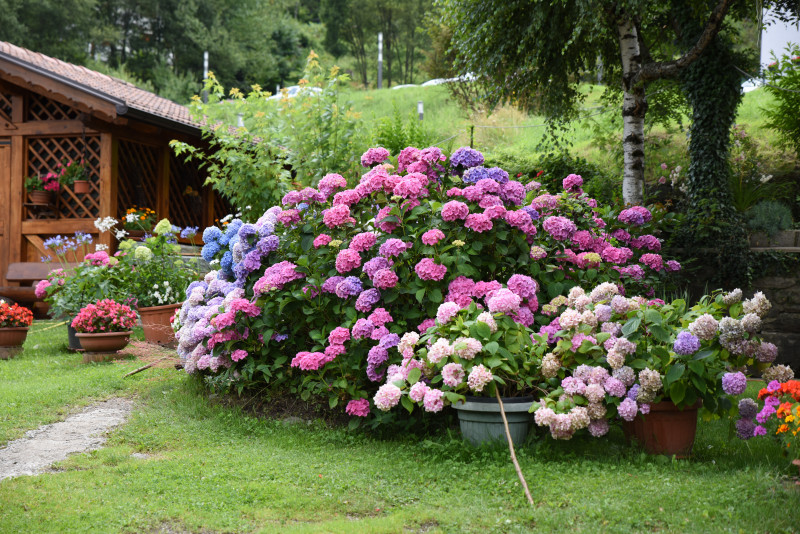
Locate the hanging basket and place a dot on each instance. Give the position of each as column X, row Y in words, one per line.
column 81, row 187
column 40, row 197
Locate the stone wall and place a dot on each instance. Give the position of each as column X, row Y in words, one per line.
column 782, row 324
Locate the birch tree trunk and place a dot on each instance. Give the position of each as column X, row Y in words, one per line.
column 634, row 107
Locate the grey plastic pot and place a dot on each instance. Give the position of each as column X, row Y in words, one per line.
column 481, row 422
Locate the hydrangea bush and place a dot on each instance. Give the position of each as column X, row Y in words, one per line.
column 315, row 293
column 608, row 357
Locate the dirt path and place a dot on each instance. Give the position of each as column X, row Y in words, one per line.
column 81, row 432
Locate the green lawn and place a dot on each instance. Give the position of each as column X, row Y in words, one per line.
column 215, row 469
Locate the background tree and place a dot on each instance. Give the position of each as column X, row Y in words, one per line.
column 556, row 42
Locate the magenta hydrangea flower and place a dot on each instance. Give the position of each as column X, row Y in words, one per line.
column 238, row 355
column 478, row 222
column 374, row 156
column 654, row 261
column 393, row 247
column 337, row 216
column 330, row 183
column 375, row 264
column 321, row 240
column 385, row 279
column 572, row 183
column 380, row 317
column 358, row 408
column 559, row 228
column 348, row 197
column 427, row 269
column 635, row 215
column 433, row 236
column 339, row 335
column 523, row 285
column 513, row 192
column 363, row 328
column 363, row 241
column 454, row 210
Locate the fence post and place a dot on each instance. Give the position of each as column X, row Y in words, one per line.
column 471, row 135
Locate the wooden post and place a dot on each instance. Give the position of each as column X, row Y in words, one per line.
column 162, row 184
column 17, row 189
column 109, row 184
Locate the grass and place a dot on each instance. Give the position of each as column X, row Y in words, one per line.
column 209, row 468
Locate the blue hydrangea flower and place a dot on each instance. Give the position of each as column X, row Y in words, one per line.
column 474, row 174
column 212, row 233
column 209, row 250
column 498, row 175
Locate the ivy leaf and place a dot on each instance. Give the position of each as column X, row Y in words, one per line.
column 333, row 401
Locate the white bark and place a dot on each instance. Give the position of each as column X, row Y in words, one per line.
column 634, row 107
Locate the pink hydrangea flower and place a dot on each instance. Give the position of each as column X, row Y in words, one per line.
column 337, row 216
column 478, row 222
column 417, row 391
column 446, row 311
column 479, row 376
column 380, row 317
column 559, row 228
column 363, row 241
column 454, row 210
column 339, row 335
column 453, row 374
column 374, row 156
column 427, row 269
column 358, row 408
column 440, row 350
column 387, row 397
column 393, row 247
column 433, row 236
column 330, row 183
column 504, row 301
column 347, row 197
column 385, row 279
column 321, row 240
column 523, row 285
column 347, row 260
column 433, row 401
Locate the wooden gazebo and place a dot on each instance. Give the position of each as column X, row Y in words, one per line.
column 51, row 110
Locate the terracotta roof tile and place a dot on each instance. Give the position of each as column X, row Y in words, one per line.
column 133, row 96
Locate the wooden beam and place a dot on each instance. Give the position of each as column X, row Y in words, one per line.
column 73, row 127
column 56, row 90
column 58, row 226
column 162, row 182
column 108, row 185
column 38, row 245
column 17, row 192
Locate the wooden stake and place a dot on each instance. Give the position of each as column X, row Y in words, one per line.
column 511, row 449
column 148, row 366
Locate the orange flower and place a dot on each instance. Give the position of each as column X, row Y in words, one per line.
column 784, row 409
column 782, row 429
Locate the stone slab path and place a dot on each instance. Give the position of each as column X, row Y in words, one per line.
column 81, row 432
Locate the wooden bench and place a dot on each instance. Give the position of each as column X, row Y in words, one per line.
column 27, row 275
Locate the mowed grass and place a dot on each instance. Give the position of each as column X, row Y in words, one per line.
column 208, row 468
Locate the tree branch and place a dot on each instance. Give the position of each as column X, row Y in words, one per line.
column 670, row 69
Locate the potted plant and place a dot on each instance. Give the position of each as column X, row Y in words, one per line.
column 158, row 278
column 139, row 220
column 649, row 363
column 41, row 188
column 104, row 326
column 89, row 276
column 14, row 323
column 75, row 174
column 468, row 359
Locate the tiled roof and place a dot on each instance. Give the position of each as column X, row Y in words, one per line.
column 132, row 96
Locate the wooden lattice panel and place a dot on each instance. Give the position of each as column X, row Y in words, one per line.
column 138, row 176
column 44, row 155
column 185, row 193
column 41, row 108
column 5, row 104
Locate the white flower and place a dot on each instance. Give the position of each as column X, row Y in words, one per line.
column 155, row 286
column 765, row 178
column 105, row 224
column 100, row 247
column 131, row 218
column 227, row 218
column 120, row 234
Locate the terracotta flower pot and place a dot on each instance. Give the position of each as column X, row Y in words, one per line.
column 11, row 340
column 156, row 325
column 665, row 430
column 13, row 336
column 40, row 197
column 104, row 342
column 81, row 187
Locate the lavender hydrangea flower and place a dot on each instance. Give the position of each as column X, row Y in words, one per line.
column 686, row 344
column 472, row 175
column 349, row 287
column 367, row 300
column 748, row 409
column 465, row 158
column 734, row 383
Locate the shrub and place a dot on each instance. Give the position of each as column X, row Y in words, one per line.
column 783, row 76
column 397, row 132
column 769, row 217
column 313, row 294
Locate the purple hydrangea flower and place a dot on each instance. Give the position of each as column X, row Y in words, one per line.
column 734, row 383
column 367, row 300
column 465, row 158
column 686, row 343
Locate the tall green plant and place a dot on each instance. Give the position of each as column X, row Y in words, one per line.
column 784, row 84
column 295, row 141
